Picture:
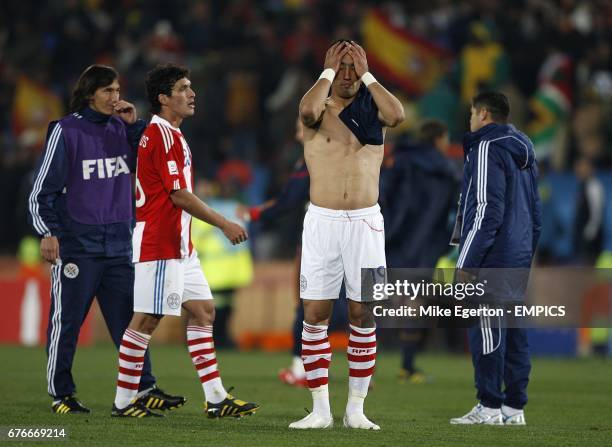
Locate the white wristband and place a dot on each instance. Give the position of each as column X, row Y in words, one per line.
column 328, row 74
column 368, row 78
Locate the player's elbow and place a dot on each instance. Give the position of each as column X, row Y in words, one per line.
column 397, row 116
column 308, row 113
column 179, row 198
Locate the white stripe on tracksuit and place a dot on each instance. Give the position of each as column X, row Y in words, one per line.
column 481, row 199
column 487, row 333
column 481, row 206
column 37, row 221
column 56, row 326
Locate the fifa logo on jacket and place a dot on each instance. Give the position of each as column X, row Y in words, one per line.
column 105, row 167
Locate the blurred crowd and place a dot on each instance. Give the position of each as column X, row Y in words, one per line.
column 251, row 62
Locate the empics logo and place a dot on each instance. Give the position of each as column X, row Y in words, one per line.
column 105, row 167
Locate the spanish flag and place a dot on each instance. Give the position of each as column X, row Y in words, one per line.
column 412, row 63
column 34, row 106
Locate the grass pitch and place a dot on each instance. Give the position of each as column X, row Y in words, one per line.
column 570, row 403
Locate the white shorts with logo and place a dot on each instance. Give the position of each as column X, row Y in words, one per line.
column 336, row 245
column 161, row 287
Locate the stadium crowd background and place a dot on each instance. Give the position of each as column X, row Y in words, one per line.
column 251, row 62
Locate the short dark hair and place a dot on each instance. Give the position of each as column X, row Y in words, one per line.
column 495, row 102
column 430, row 130
column 160, row 81
column 94, row 77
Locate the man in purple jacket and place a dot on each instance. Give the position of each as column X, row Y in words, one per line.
column 81, row 205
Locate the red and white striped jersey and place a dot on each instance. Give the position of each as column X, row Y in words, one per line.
column 163, row 231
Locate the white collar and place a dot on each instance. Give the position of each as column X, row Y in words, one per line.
column 156, row 119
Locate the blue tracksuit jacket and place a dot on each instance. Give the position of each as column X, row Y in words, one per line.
column 500, row 204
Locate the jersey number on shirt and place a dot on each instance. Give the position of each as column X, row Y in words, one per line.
column 140, row 195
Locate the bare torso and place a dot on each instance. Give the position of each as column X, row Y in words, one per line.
column 344, row 173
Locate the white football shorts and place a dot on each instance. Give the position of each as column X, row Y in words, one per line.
column 161, row 287
column 336, row 245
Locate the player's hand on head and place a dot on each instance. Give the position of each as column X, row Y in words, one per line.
column 235, row 233
column 359, row 58
column 49, row 249
column 334, row 55
column 126, row 111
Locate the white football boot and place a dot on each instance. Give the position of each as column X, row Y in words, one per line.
column 513, row 416
column 359, row 420
column 480, row 415
column 313, row 420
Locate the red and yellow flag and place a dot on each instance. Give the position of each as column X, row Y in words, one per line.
column 412, row 63
column 34, row 106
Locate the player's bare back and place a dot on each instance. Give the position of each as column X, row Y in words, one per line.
column 344, row 173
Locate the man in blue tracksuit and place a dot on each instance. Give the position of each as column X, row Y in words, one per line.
column 81, row 205
column 499, row 226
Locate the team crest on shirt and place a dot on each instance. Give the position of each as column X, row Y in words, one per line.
column 172, row 168
column 71, row 270
column 303, row 283
column 173, row 300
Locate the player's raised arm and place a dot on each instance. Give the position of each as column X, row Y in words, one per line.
column 390, row 109
column 189, row 202
column 312, row 104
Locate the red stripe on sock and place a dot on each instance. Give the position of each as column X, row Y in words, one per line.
column 317, row 364
column 130, row 372
column 207, row 377
column 355, row 344
column 314, row 342
column 197, row 341
column 202, row 352
column 358, row 334
column 127, row 385
column 361, row 358
column 361, row 372
column 130, row 345
column 130, row 358
column 307, row 352
column 315, row 383
column 206, row 364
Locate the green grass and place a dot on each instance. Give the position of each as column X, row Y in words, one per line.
column 570, row 403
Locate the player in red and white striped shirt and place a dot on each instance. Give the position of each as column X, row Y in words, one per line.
column 164, row 165
column 168, row 275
